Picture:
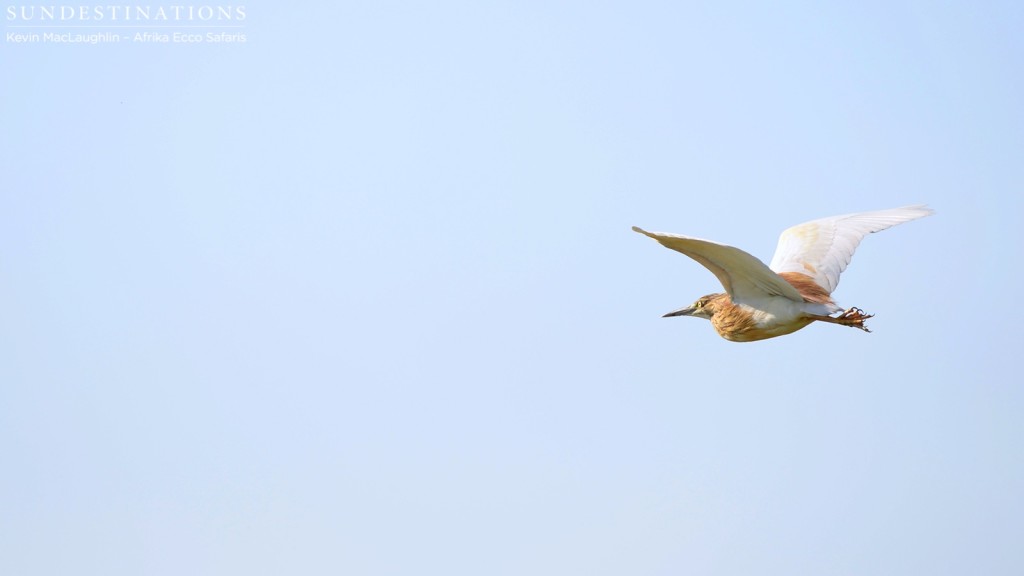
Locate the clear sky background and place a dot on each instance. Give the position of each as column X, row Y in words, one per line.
column 360, row 295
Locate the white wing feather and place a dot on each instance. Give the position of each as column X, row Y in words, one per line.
column 822, row 248
column 743, row 276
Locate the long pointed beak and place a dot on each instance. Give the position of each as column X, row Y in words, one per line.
column 688, row 311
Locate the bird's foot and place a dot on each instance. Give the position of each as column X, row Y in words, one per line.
column 854, row 317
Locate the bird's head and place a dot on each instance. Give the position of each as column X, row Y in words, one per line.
column 704, row 307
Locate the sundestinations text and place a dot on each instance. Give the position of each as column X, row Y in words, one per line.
column 110, row 13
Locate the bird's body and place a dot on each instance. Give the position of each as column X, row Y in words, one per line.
column 795, row 290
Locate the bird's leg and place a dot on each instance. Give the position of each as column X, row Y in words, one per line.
column 854, row 317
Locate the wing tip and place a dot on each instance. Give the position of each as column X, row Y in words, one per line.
column 922, row 209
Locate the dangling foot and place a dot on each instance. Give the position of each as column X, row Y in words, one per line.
column 854, row 317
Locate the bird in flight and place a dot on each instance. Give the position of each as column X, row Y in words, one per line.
column 796, row 288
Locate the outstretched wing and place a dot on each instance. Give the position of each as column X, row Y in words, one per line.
column 743, row 276
column 822, row 248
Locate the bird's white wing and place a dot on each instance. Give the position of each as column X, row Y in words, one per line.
column 822, row 248
column 743, row 276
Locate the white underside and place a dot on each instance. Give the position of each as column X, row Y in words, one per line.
column 775, row 311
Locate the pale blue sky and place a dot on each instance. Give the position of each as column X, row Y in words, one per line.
column 360, row 295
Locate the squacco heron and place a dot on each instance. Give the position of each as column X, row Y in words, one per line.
column 796, row 288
